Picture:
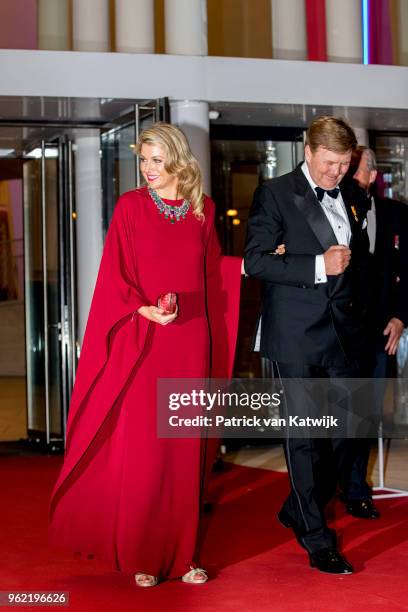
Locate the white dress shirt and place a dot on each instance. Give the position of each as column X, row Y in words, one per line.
column 335, row 211
column 372, row 225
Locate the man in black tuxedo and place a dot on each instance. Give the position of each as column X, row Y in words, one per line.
column 313, row 309
column 387, row 227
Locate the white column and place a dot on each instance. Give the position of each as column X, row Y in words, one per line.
column 362, row 136
column 88, row 197
column 186, row 27
column 344, row 31
column 192, row 118
column 134, row 26
column 402, row 31
column 285, row 161
column 90, row 23
column 53, row 25
column 289, row 29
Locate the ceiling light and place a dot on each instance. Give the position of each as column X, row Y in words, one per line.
column 37, row 153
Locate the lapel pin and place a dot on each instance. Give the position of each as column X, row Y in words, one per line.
column 353, row 210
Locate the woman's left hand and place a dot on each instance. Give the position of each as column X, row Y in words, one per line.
column 157, row 315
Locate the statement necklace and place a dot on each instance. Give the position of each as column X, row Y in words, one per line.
column 174, row 213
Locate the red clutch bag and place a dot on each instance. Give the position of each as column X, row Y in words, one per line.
column 168, row 302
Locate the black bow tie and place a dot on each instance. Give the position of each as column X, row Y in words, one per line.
column 333, row 193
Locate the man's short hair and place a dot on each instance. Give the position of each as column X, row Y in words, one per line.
column 332, row 133
column 369, row 155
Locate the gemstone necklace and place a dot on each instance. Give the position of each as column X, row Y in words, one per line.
column 174, row 213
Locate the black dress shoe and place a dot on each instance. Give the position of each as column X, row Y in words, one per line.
column 363, row 508
column 330, row 561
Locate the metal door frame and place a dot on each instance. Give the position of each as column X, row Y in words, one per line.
column 66, row 286
column 67, row 272
column 158, row 110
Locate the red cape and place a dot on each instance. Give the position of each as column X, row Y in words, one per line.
column 115, row 338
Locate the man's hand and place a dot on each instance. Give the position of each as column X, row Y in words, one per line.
column 280, row 250
column 394, row 330
column 157, row 315
column 336, row 259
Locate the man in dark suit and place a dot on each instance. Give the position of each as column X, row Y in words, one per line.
column 313, row 308
column 387, row 227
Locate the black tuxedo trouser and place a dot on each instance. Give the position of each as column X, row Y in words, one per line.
column 315, row 466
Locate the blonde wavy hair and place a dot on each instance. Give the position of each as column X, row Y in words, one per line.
column 179, row 161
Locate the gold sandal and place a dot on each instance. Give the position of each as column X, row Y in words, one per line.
column 196, row 575
column 145, row 580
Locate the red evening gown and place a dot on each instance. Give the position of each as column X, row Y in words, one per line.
column 123, row 494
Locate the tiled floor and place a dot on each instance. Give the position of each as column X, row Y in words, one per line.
column 13, row 414
column 271, row 458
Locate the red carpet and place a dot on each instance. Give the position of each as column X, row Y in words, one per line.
column 255, row 563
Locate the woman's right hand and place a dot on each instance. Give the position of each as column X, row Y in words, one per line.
column 157, row 315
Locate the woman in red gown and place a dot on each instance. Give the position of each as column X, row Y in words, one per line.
column 124, row 494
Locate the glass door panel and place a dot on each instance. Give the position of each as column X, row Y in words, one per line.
column 392, row 163
column 238, row 167
column 120, row 166
column 48, row 324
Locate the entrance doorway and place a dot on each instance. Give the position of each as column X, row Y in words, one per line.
column 39, row 340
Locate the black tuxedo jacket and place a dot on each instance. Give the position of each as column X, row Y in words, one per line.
column 303, row 322
column 389, row 267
